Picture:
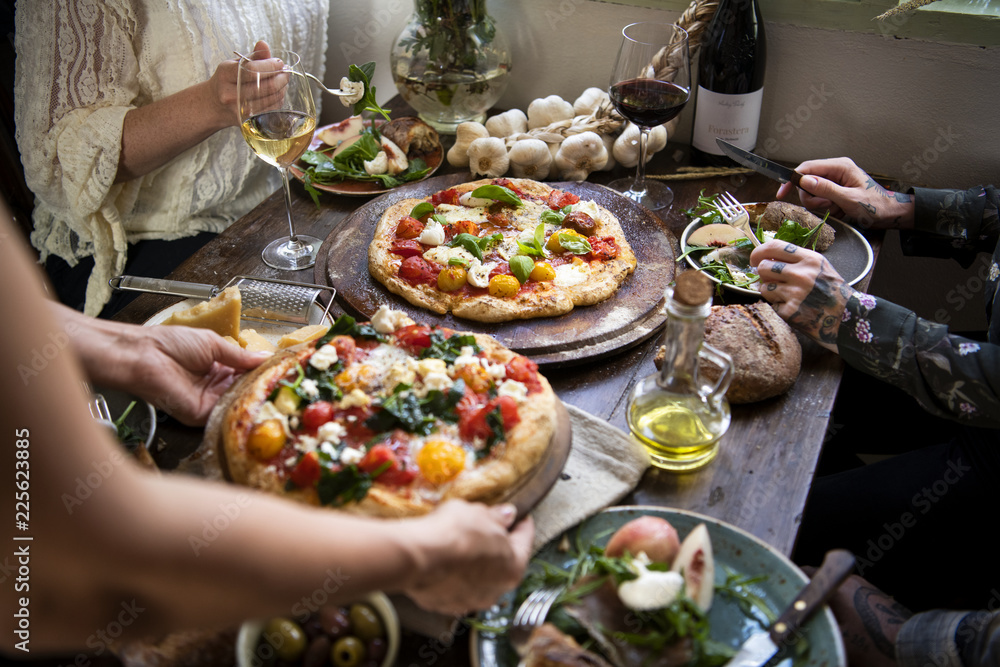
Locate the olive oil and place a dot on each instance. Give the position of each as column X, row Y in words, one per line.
column 677, row 416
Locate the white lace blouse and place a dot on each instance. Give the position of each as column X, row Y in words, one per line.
column 82, row 64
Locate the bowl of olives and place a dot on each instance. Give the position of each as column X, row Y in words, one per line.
column 363, row 634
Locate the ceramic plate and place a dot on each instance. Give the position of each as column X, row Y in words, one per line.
column 850, row 253
column 734, row 549
column 361, row 188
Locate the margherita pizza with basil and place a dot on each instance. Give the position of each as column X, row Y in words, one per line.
column 389, row 419
column 500, row 250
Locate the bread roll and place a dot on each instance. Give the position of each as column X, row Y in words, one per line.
column 766, row 354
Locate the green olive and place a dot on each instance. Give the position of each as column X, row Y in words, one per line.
column 347, row 652
column 285, row 637
column 365, row 623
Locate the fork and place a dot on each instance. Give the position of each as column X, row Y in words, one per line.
column 101, row 413
column 530, row 615
column 333, row 91
column 734, row 213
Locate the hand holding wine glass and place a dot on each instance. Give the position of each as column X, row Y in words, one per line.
column 277, row 118
column 650, row 84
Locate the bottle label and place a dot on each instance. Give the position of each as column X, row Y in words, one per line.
column 730, row 117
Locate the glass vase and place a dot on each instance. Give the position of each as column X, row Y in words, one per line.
column 451, row 63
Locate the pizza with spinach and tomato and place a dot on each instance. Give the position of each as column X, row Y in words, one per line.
column 500, row 250
column 389, row 419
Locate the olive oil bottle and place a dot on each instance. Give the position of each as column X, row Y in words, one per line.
column 676, row 414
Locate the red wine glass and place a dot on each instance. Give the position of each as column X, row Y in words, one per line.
column 650, row 84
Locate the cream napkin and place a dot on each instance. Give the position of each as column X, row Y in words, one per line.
column 604, row 465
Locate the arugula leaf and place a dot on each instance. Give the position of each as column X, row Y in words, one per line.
column 494, row 419
column 448, row 349
column 800, row 235
column 364, row 74
column 348, row 326
column 521, row 266
column 497, row 193
column 555, row 217
column 343, row 486
column 706, row 208
column 422, row 209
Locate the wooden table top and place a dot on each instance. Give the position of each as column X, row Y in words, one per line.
column 761, row 477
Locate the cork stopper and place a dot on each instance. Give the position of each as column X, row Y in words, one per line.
column 692, row 288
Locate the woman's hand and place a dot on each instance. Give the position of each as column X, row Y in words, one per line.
column 471, row 556
column 804, row 289
column 845, row 189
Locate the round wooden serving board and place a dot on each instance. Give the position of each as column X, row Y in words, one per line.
column 586, row 333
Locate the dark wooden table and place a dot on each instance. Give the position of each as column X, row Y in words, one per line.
column 758, row 482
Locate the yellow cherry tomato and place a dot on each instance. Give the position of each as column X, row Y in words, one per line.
column 266, row 439
column 452, row 278
column 475, row 376
column 503, row 286
column 553, row 244
column 542, row 271
column 440, row 461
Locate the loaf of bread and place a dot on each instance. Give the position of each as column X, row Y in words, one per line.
column 766, row 354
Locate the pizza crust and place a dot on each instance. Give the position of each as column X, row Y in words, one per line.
column 546, row 300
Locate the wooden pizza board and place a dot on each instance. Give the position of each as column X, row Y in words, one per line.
column 586, row 333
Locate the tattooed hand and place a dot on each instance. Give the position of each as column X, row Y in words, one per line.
column 804, row 289
column 845, row 189
column 869, row 622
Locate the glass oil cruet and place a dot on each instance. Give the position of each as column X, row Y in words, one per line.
column 678, row 415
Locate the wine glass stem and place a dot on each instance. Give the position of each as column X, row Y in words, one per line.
column 292, row 239
column 640, row 172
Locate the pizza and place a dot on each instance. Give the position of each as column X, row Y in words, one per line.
column 500, row 250
column 389, row 419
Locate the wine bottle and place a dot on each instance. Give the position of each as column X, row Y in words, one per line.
column 730, row 81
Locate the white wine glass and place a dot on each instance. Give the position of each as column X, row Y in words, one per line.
column 650, row 84
column 277, row 118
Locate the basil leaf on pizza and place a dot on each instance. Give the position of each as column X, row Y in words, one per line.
column 497, row 193
column 521, row 266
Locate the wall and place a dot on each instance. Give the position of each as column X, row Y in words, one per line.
column 918, row 111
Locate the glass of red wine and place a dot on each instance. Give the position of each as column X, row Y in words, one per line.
column 650, row 84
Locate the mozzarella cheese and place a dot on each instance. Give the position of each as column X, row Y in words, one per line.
column 468, row 200
column 350, row 456
column 331, row 432
column 442, row 253
column 568, row 275
column 512, row 388
column 324, row 357
column 590, row 208
column 355, row 399
column 269, row 411
column 310, row 388
column 479, row 274
column 431, row 365
column 455, row 213
column 385, row 320
column 437, row 382
column 433, row 233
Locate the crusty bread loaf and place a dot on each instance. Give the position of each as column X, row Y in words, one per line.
column 766, row 354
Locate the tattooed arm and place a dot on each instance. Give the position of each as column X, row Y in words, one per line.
column 844, row 188
column 805, row 290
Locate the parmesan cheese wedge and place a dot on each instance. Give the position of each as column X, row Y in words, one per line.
column 253, row 341
column 306, row 334
column 221, row 314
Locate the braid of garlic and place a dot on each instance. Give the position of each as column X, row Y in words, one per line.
column 694, row 20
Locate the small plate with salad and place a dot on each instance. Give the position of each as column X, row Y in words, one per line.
column 725, row 258
column 748, row 584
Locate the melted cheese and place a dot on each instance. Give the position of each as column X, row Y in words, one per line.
column 568, row 275
column 441, row 254
column 433, row 233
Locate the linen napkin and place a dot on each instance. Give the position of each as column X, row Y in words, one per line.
column 604, row 465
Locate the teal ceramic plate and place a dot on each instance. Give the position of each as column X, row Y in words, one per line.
column 734, row 549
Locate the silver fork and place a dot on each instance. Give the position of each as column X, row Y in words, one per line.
column 530, row 615
column 101, row 413
column 332, row 91
column 734, row 213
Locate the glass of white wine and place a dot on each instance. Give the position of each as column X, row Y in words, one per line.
column 277, row 118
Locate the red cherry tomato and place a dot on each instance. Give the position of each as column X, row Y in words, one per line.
column 381, row 456
column 316, row 414
column 473, row 424
column 449, row 196
column 406, row 248
column 346, row 348
column 559, row 199
column 307, row 471
column 465, row 227
column 603, row 248
column 414, row 338
column 409, row 228
column 417, row 271
column 525, row 371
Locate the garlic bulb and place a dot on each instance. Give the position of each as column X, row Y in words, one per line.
column 507, row 124
column 590, row 100
column 530, row 158
column 581, row 154
column 547, row 110
column 609, row 144
column 626, row 148
column 488, row 157
column 465, row 134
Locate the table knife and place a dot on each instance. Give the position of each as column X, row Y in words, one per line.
column 763, row 645
column 769, row 168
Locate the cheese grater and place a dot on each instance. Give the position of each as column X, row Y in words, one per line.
column 267, row 300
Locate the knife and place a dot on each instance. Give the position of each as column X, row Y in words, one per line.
column 763, row 645
column 769, row 168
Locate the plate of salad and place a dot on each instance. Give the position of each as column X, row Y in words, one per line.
column 335, row 161
column 751, row 584
column 726, row 258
